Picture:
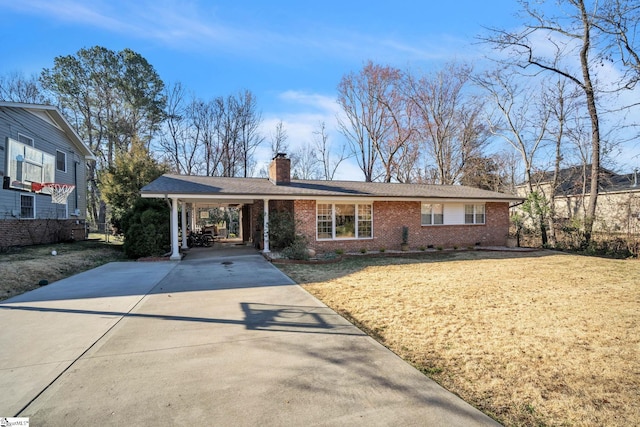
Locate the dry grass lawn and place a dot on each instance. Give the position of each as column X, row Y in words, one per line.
column 539, row 338
column 22, row 269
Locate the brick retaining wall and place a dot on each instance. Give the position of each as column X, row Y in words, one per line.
column 26, row 232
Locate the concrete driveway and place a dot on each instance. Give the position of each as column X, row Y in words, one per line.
column 228, row 340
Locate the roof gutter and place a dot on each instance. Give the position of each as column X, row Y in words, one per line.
column 329, row 197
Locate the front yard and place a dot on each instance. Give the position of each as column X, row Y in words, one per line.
column 22, row 269
column 539, row 338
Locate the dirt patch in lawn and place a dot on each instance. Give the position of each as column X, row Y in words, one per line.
column 531, row 339
column 22, row 269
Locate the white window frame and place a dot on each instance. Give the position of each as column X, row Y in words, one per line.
column 65, row 161
column 357, row 220
column 27, row 164
column 33, row 206
column 429, row 210
column 478, row 210
column 22, row 136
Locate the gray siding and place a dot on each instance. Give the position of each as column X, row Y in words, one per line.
column 47, row 138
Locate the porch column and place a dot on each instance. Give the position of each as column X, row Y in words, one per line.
column 175, row 250
column 193, row 223
column 240, row 219
column 265, row 226
column 184, row 228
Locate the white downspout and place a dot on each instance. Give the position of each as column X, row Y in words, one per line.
column 175, row 249
column 265, row 226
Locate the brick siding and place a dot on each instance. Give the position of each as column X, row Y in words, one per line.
column 26, row 232
column 280, row 171
column 390, row 217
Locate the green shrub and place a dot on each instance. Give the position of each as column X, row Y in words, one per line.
column 339, row 251
column 297, row 249
column 282, row 230
column 146, row 229
column 405, row 235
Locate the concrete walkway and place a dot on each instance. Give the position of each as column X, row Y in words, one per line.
column 227, row 341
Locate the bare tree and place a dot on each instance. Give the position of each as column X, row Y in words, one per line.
column 521, row 121
column 249, row 136
column 483, row 172
column 399, row 114
column 508, row 162
column 307, row 164
column 576, row 33
column 15, row 87
column 177, row 142
column 619, row 21
column 563, row 106
column 279, row 140
column 365, row 98
column 407, row 159
column 328, row 160
column 449, row 121
column 216, row 137
column 204, row 119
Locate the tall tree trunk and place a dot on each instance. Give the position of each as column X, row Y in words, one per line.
column 595, row 125
column 553, row 241
column 537, row 210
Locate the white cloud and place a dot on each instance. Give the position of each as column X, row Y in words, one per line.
column 70, row 11
column 321, row 103
column 196, row 25
column 304, row 113
column 178, row 24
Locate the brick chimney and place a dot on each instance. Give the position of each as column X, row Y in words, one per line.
column 280, row 169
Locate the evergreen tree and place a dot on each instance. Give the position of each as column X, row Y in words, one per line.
column 121, row 183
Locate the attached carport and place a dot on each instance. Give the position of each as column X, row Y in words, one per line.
column 183, row 202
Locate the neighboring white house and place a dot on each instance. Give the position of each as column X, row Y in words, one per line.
column 39, row 146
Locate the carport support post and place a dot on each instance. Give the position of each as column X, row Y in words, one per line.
column 265, row 226
column 240, row 230
column 175, row 250
column 183, row 206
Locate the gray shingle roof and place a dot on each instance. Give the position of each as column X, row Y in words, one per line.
column 576, row 180
column 200, row 186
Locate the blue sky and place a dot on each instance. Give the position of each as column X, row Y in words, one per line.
column 290, row 54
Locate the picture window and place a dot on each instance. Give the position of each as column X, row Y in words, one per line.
column 344, row 221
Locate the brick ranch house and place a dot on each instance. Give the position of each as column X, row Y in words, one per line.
column 344, row 215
